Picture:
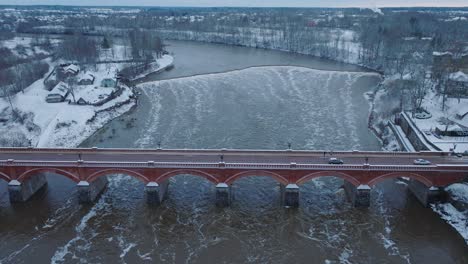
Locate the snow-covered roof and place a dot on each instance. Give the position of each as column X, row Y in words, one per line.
column 71, row 68
column 61, row 88
column 459, row 76
column 437, row 53
column 87, row 76
column 453, row 127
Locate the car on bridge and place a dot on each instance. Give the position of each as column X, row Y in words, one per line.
column 335, row 161
column 421, row 162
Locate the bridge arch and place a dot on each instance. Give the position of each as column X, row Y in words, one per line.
column 4, row 177
column 341, row 175
column 393, row 175
column 199, row 173
column 30, row 173
column 106, row 172
column 273, row 175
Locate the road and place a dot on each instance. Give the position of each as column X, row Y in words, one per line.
column 228, row 156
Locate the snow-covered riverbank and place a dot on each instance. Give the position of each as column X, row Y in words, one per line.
column 456, row 212
column 163, row 63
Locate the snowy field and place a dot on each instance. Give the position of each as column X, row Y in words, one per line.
column 23, row 48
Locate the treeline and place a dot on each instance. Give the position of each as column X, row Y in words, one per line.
column 351, row 35
column 17, row 78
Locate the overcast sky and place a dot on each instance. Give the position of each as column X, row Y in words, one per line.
column 249, row 3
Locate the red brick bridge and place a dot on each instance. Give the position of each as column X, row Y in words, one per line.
column 24, row 169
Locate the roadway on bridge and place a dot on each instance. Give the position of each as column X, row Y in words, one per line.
column 228, row 156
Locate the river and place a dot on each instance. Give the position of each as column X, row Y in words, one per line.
column 221, row 96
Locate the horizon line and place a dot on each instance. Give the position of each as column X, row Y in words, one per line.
column 181, row 6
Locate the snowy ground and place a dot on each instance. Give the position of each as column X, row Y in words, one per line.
column 454, row 106
column 94, row 93
column 23, row 48
column 60, row 124
column 116, row 53
column 163, row 63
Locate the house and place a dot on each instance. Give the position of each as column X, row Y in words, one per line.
column 58, row 94
column 71, row 69
column 86, row 79
column 458, row 84
column 453, row 130
column 82, row 101
column 109, row 83
column 66, row 71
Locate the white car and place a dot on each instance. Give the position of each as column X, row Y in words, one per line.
column 335, row 161
column 421, row 162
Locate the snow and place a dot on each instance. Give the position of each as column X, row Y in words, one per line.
column 432, row 103
column 116, row 53
column 16, row 41
column 92, row 94
column 459, row 76
column 422, row 136
column 456, row 19
column 457, row 219
column 63, row 124
column 61, row 88
column 459, row 191
column 72, row 68
column 161, row 64
column 402, row 136
column 437, row 53
column 86, row 76
column 376, row 10
column 21, row 46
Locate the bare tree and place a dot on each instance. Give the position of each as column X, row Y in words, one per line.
column 72, row 82
column 419, row 90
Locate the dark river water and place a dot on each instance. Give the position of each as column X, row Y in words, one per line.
column 234, row 98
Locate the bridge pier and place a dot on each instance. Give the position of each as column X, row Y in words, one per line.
column 359, row 196
column 223, row 195
column 426, row 195
column 88, row 192
column 22, row 191
column 155, row 193
column 290, row 195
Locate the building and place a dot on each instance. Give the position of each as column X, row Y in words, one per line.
column 58, row 94
column 71, row 69
column 86, row 79
column 82, row 101
column 458, row 84
column 453, row 130
column 66, row 71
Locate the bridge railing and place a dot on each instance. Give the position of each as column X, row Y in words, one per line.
column 223, row 165
column 219, row 151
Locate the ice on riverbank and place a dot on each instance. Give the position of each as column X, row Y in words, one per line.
column 456, row 213
column 457, row 219
column 163, row 63
column 459, row 191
